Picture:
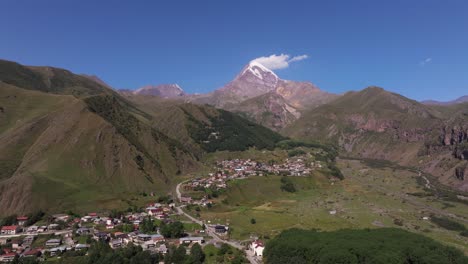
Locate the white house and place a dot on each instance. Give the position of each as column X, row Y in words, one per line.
column 257, row 248
column 188, row 240
column 9, row 230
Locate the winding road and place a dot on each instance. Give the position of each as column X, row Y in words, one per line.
column 209, row 230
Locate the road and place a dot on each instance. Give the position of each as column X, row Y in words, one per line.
column 210, row 231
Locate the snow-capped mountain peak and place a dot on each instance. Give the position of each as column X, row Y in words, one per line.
column 258, row 70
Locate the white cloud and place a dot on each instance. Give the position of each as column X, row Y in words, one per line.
column 425, row 61
column 276, row 62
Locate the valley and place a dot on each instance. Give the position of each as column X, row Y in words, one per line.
column 367, row 197
column 239, row 166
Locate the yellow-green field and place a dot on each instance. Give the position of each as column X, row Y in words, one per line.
column 367, row 198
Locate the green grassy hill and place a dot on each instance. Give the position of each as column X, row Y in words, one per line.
column 68, row 143
column 203, row 128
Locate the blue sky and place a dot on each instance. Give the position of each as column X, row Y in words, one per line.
column 416, row 48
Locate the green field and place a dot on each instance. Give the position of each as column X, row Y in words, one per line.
column 367, row 198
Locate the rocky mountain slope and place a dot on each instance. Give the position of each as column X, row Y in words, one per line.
column 162, row 90
column 377, row 124
column 68, row 142
column 259, row 94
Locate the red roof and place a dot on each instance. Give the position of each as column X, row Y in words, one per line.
column 22, row 218
column 9, row 255
column 156, row 210
column 32, row 252
column 258, row 243
column 9, row 227
column 92, row 214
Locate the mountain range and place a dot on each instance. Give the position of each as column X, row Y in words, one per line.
column 71, row 141
column 256, row 93
column 67, row 141
column 372, row 123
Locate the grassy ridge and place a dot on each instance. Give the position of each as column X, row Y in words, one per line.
column 228, row 131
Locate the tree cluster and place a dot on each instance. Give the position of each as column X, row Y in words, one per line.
column 377, row 246
column 287, row 185
column 172, row 230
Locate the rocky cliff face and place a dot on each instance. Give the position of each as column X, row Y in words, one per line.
column 270, row 110
column 461, row 172
column 457, row 138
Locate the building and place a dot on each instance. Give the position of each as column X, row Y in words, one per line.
column 162, row 249
column 83, row 231
column 53, row 227
column 220, row 229
column 8, row 257
column 81, row 246
column 4, row 240
column 143, row 237
column 33, row 229
column 42, row 229
column 115, row 243
column 53, row 242
column 57, row 250
column 257, row 248
column 32, row 253
column 148, row 245
column 189, row 240
column 61, row 217
column 21, row 220
column 157, row 238
column 184, row 199
column 100, row 236
column 10, row 230
column 16, row 244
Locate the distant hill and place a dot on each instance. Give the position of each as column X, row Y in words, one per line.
column 68, row 142
column 462, row 99
column 374, row 123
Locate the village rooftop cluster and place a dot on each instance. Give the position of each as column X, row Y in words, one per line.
column 67, row 233
column 241, row 169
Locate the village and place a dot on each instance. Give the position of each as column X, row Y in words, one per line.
column 227, row 170
column 154, row 229
column 64, row 232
